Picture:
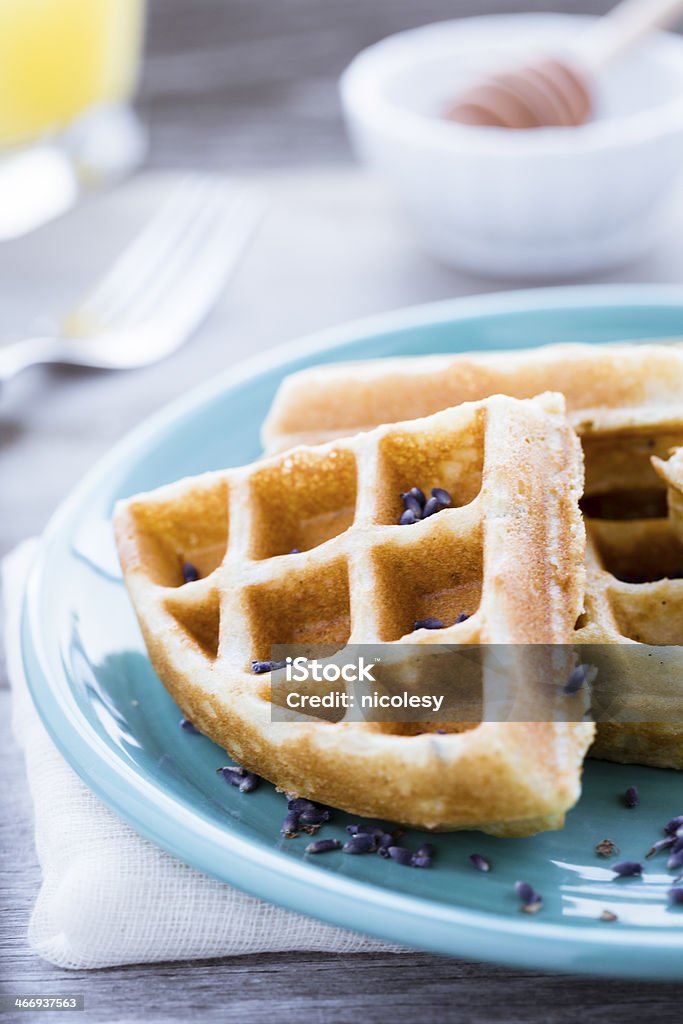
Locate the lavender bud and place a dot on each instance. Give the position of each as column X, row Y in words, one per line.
column 675, row 895
column 412, row 504
column 365, row 830
column 400, row 854
column 299, row 804
column 360, row 843
column 675, row 861
column 432, row 505
column 314, row 816
column 190, row 572
column 189, row 726
column 408, row 518
column 526, row 892
column 627, row 868
column 443, row 497
column 479, row 862
column 426, row 850
column 249, row 783
column 259, row 667
column 631, row 797
column 323, row 846
column 415, row 492
column 290, row 825
column 233, row 774
column 578, row 677
column 661, row 844
column 383, row 843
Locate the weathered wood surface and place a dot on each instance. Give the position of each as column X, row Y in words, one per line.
column 247, row 85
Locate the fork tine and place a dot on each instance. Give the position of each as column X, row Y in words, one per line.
column 212, row 215
column 199, row 278
column 144, row 256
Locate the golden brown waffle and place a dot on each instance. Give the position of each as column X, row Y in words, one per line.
column 509, row 554
column 607, row 389
column 634, row 597
column 626, row 403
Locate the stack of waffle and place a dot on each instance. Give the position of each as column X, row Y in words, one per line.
column 310, row 546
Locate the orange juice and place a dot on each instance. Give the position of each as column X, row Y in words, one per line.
column 59, row 57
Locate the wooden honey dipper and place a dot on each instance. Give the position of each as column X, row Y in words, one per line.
column 558, row 91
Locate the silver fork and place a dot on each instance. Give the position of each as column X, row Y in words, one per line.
column 159, row 289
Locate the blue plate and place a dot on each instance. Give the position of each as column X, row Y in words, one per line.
column 115, row 723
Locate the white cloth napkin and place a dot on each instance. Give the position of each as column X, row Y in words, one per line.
column 110, row 897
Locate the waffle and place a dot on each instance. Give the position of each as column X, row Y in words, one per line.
column 509, row 554
column 607, row 388
column 634, row 597
column 626, row 403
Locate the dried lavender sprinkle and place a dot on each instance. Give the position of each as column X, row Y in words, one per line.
column 360, row 843
column 366, row 830
column 408, row 518
column 432, row 506
column 631, row 797
column 238, row 776
column 189, row 726
column 426, row 850
column 323, row 846
column 526, row 892
column 608, row 915
column 442, row 496
column 299, row 803
column 412, row 504
column 290, row 825
column 672, row 826
column 401, row 855
column 418, row 861
column 428, row 624
column 462, row 617
column 661, row 844
column 314, row 816
column 416, row 493
column 675, row 895
column 606, row 848
column 249, row 783
column 479, row 862
column 578, row 677
column 190, row 572
column 627, row 869
column 675, row 861
column 259, row 667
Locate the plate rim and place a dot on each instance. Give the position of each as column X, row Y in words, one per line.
column 475, row 934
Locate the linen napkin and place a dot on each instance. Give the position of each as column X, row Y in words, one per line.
column 110, row 897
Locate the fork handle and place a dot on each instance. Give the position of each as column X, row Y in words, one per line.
column 16, row 356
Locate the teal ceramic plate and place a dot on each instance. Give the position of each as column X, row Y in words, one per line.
column 112, row 719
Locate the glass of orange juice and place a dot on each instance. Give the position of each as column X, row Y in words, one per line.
column 62, row 64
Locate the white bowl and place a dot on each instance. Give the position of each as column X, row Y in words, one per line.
column 551, row 202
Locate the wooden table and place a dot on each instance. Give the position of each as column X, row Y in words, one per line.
column 245, row 86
